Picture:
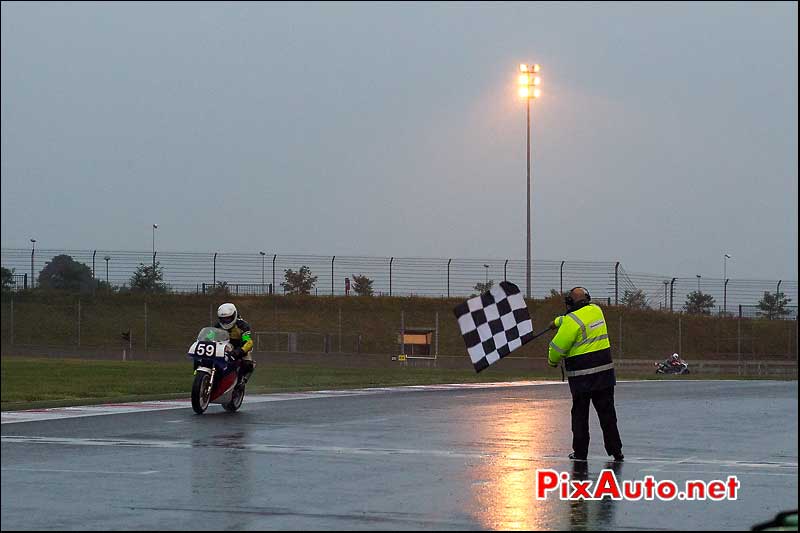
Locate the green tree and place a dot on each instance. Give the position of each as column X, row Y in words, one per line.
column 63, row 272
column 699, row 303
column 635, row 299
column 148, row 278
column 220, row 289
column 300, row 282
column 773, row 305
column 362, row 285
column 7, row 277
column 484, row 287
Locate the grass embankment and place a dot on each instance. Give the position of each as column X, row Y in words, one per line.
column 40, row 382
column 169, row 323
column 29, row 383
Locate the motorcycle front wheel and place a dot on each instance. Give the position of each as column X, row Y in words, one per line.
column 201, row 392
column 236, row 399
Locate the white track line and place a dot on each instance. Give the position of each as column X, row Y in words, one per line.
column 56, row 413
column 101, row 472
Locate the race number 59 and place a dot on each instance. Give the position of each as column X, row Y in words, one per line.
column 205, row 349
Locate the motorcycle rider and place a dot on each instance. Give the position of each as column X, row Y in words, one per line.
column 675, row 360
column 240, row 337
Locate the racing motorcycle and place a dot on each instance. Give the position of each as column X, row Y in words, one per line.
column 216, row 377
column 664, row 367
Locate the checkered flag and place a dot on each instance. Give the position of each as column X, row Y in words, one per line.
column 494, row 324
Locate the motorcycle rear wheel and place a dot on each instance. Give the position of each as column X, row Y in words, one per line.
column 201, row 392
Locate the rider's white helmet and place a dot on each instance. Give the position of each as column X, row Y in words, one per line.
column 227, row 315
column 675, row 356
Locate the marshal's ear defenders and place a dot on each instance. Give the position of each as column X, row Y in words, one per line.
column 570, row 302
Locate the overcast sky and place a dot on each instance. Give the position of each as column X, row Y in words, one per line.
column 666, row 135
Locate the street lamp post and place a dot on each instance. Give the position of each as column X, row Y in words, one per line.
column 263, row 256
column 529, row 81
column 154, row 247
column 725, row 283
column 666, row 282
column 33, row 250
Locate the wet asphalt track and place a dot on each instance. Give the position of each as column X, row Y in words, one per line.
column 439, row 459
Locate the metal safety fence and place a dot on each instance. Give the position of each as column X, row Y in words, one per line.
column 264, row 273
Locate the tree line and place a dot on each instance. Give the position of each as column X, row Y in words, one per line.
column 62, row 272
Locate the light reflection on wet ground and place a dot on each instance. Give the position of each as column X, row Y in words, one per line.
column 457, row 459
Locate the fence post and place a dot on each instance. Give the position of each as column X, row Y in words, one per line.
column 561, row 277
column 616, row 284
column 725, row 297
column 215, row 269
column 448, row 277
column 505, row 271
column 402, row 332
column 390, row 275
column 332, row 260
column 739, row 336
column 273, row 274
column 145, row 326
column 25, row 282
column 671, row 292
column 436, row 354
column 93, row 254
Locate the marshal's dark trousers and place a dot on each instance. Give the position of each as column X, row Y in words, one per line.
column 603, row 401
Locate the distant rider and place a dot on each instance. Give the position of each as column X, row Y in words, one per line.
column 675, row 360
column 240, row 337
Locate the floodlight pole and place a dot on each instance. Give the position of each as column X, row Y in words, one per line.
column 528, row 265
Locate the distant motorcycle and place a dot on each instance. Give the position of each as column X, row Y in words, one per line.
column 665, row 367
column 216, row 378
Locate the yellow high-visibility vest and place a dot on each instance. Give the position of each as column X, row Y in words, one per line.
column 580, row 332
